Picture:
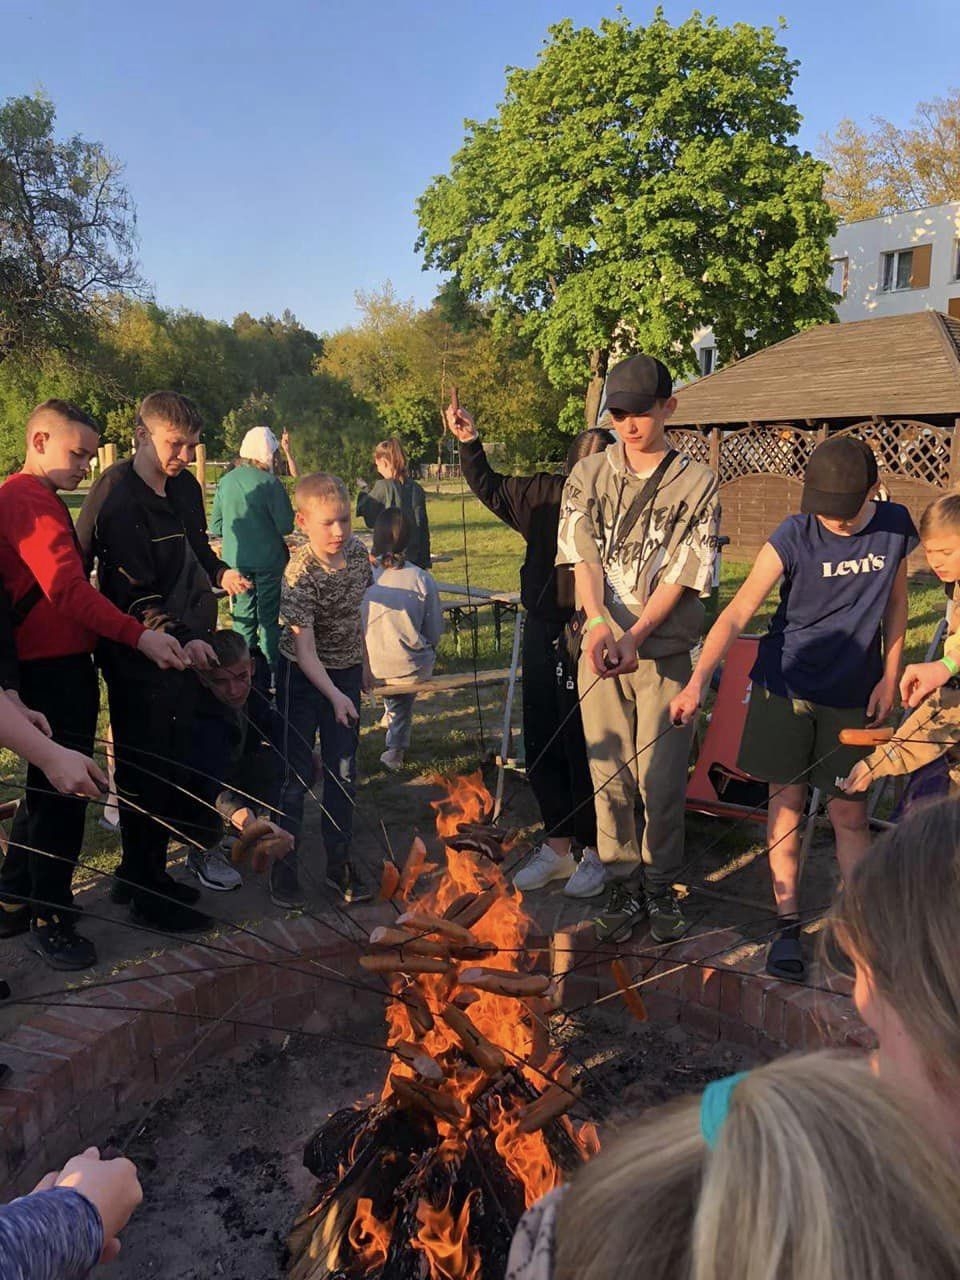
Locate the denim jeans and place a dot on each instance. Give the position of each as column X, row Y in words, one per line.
column 399, row 709
column 307, row 715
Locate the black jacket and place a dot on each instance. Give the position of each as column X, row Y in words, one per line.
column 412, row 501
column 153, row 556
column 531, row 505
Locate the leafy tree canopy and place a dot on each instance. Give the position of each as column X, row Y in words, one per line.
column 67, row 230
column 886, row 169
column 636, row 184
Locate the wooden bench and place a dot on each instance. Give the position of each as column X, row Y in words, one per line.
column 452, row 683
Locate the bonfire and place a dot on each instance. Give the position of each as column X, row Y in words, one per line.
column 471, row 1127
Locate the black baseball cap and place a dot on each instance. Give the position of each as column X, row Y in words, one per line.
column 839, row 475
column 634, row 385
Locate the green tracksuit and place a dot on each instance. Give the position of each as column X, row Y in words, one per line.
column 252, row 513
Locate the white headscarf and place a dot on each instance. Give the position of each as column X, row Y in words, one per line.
column 259, row 445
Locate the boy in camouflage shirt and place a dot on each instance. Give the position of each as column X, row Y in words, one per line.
column 322, row 671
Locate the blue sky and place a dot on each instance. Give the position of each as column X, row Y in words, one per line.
column 275, row 149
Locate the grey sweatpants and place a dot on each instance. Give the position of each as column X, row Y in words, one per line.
column 622, row 715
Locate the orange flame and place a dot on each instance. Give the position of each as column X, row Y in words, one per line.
column 502, row 1020
column 368, row 1236
column 443, row 1241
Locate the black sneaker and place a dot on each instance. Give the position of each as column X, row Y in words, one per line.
column 667, row 921
column 14, row 919
column 285, row 888
column 343, row 880
column 171, row 917
column 56, row 940
column 167, row 887
column 625, row 909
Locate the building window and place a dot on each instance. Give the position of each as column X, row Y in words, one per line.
column 897, row 270
column 708, row 360
column 839, row 274
column 956, row 258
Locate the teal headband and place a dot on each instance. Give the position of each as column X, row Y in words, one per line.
column 715, row 1104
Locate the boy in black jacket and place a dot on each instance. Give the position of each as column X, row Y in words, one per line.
column 561, row 776
column 234, row 759
column 144, row 523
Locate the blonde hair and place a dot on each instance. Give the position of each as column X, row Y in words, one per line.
column 898, row 917
column 392, row 451
column 942, row 516
column 817, row 1174
column 320, row 487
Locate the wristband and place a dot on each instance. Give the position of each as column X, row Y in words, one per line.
column 599, row 621
column 951, row 666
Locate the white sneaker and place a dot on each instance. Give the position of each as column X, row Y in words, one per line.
column 544, row 866
column 213, row 869
column 590, row 878
column 392, row 759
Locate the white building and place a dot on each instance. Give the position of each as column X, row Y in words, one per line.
column 887, row 267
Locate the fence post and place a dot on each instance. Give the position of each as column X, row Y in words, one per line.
column 202, row 467
column 715, row 451
column 102, row 457
column 955, row 454
column 110, row 455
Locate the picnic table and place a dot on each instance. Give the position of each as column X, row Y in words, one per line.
column 467, row 603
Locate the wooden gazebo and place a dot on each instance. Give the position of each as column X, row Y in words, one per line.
column 894, row 382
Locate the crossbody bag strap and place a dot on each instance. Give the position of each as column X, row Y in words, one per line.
column 641, row 501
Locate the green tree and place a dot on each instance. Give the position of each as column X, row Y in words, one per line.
column 637, row 183
column 886, row 169
column 67, row 230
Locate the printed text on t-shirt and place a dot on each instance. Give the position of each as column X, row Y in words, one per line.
column 869, row 564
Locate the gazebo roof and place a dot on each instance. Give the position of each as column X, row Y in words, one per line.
column 894, row 366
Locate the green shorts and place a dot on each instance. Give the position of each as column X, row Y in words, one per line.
column 787, row 740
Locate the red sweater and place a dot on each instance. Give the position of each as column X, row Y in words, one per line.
column 38, row 545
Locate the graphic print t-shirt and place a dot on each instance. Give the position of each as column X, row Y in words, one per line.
column 328, row 601
column 823, row 644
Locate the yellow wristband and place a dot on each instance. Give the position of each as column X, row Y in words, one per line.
column 596, row 622
column 951, row 666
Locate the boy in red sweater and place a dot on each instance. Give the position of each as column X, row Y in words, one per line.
column 58, row 618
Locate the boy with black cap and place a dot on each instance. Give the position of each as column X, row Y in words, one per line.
column 830, row 660
column 638, row 523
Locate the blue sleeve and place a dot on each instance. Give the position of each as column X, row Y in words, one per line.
column 784, row 542
column 50, row 1235
column 433, row 617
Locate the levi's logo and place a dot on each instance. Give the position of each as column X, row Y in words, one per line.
column 869, row 564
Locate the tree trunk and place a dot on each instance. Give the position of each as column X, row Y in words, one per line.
column 599, row 359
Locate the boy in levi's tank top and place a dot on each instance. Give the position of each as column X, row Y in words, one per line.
column 830, row 660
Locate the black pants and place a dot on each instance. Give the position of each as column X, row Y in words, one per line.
column 561, row 778
column 151, row 712
column 66, row 690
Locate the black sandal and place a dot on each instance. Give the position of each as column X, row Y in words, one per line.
column 785, row 957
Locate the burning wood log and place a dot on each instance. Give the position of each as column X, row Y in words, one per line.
column 394, row 962
column 419, row 1060
column 488, row 1056
column 487, row 830
column 472, row 912
column 424, row 922
column 504, row 982
column 386, row 937
column 552, row 1103
column 435, row 1102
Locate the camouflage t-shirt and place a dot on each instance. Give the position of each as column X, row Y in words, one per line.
column 328, row 601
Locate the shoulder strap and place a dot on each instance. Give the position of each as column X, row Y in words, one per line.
column 22, row 607
column 643, row 499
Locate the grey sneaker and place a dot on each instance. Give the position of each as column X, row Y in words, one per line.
column 625, row 909
column 667, row 921
column 213, row 869
column 590, row 878
column 545, row 865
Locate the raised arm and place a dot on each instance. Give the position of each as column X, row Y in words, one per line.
column 763, row 577
column 503, row 495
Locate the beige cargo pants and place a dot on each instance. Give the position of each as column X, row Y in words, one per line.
column 622, row 715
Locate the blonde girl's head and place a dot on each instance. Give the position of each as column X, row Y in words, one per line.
column 897, row 919
column 390, row 460
column 816, row 1174
column 939, row 531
